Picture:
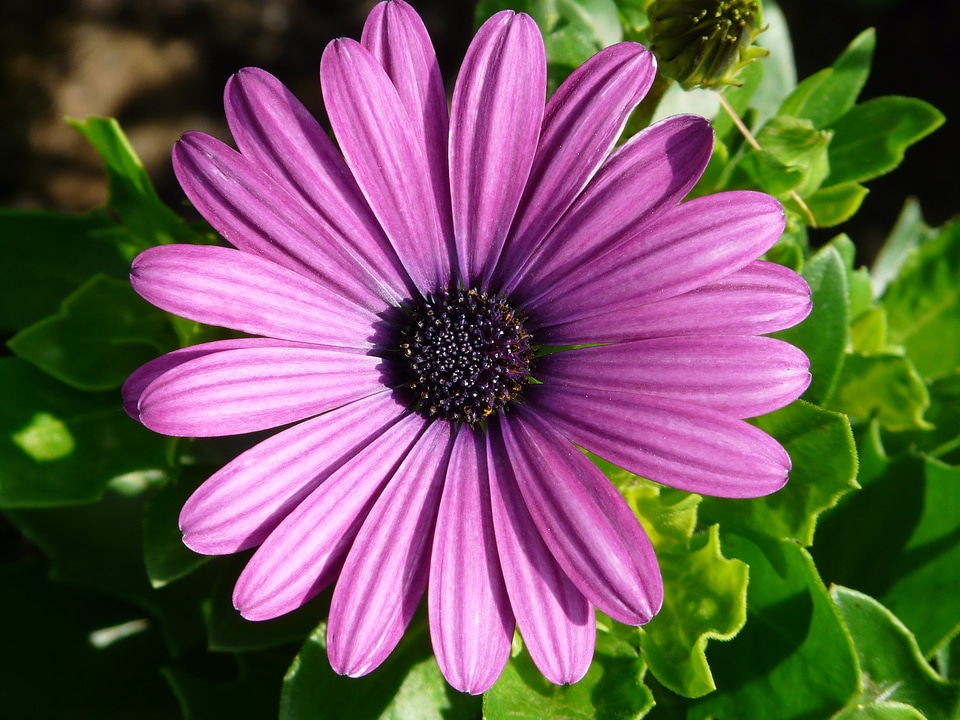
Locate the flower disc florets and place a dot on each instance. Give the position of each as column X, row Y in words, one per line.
column 466, row 355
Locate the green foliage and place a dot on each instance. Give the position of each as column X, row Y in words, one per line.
column 99, row 496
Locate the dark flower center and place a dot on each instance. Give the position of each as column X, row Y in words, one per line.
column 465, row 354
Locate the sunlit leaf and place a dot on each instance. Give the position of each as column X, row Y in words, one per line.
column 883, row 386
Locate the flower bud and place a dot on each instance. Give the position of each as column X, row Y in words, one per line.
column 705, row 43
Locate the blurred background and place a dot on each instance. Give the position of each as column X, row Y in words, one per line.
column 159, row 66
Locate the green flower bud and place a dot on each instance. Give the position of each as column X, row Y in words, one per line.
column 705, row 43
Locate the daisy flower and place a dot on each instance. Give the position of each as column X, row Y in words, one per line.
column 441, row 312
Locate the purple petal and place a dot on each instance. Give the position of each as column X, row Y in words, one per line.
column 496, row 116
column 471, row 623
column 397, row 38
column 259, row 216
column 582, row 122
column 255, row 388
column 278, row 133
column 387, row 158
column 694, row 244
column 144, row 375
column 684, row 446
column 386, row 571
column 654, row 170
column 742, row 376
column 305, row 552
column 557, row 623
column 588, row 526
column 242, row 503
column 761, row 298
column 228, row 288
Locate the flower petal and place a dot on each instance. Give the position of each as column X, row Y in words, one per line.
column 471, row 624
column 259, row 216
column 144, row 375
column 232, row 289
column 742, row 376
column 255, row 388
column 387, row 158
column 684, row 446
column 305, row 552
column 495, row 124
column 395, row 35
column 557, row 623
column 654, row 170
column 243, row 502
column 694, row 244
column 586, row 523
column 761, row 298
column 386, row 571
column 582, row 122
column 279, row 134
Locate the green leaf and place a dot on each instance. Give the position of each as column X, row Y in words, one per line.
column 76, row 654
column 883, row 386
column 943, row 439
column 59, row 446
column 823, row 335
column 132, row 196
column 833, row 205
column 868, row 334
column 408, row 684
column 828, row 94
column 870, row 139
column 923, row 304
column 704, row 597
column 165, row 556
column 879, row 711
column 824, row 458
column 890, row 662
column 231, row 632
column 46, row 257
column 797, row 144
column 793, row 659
column 905, row 549
column 907, row 235
column 612, row 688
column 99, row 547
column 251, row 689
column 103, row 332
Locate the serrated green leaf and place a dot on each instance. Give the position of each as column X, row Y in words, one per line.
column 824, row 458
column 835, row 204
column 408, row 684
column 909, row 232
column 890, row 662
column 797, row 144
column 823, row 335
column 46, row 257
column 669, row 516
column 59, row 446
column 870, row 139
column 883, row 386
column 764, row 171
column 612, row 688
column 132, row 196
column 828, row 94
column 52, row 667
column 99, row 547
column 103, row 332
column 923, row 304
column 943, row 440
column 704, row 598
column 793, row 659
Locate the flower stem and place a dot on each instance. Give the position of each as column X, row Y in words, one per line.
column 752, row 142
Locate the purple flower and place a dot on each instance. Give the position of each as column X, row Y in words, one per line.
column 446, row 313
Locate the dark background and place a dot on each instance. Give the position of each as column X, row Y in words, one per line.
column 160, row 66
